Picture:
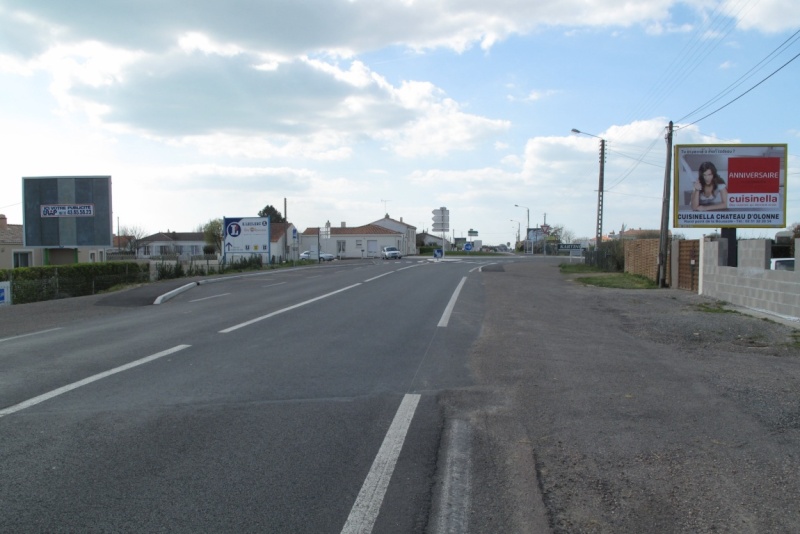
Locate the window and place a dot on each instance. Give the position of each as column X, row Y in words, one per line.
column 23, row 259
column 146, row 250
column 340, row 247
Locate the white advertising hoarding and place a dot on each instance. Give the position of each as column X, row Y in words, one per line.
column 730, row 186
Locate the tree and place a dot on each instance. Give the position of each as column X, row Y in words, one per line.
column 212, row 234
column 129, row 238
column 273, row 214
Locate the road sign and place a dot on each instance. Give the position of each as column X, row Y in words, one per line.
column 468, row 246
column 441, row 220
column 569, row 246
column 472, row 233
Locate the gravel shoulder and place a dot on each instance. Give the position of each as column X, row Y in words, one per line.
column 629, row 411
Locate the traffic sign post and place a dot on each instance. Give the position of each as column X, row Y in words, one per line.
column 441, row 223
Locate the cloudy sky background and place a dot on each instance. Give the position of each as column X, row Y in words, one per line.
column 350, row 109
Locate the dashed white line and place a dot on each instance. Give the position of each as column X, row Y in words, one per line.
column 368, row 503
column 278, row 312
column 75, row 385
column 450, row 305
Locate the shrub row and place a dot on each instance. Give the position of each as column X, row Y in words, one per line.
column 33, row 284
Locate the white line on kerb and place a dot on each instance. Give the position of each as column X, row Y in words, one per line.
column 75, row 385
column 450, row 305
column 278, row 312
column 368, row 503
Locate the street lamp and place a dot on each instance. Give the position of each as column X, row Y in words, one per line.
column 599, row 237
column 527, row 228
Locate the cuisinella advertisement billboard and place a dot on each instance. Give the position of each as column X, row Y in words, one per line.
column 730, row 186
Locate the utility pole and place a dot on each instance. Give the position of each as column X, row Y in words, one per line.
column 662, row 244
column 600, row 194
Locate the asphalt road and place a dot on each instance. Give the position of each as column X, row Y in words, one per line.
column 471, row 396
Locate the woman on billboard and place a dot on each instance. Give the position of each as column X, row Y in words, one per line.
column 710, row 191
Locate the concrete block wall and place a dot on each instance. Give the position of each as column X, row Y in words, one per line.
column 752, row 284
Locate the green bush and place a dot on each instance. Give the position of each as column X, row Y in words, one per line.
column 33, row 284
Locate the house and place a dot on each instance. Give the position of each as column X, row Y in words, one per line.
column 14, row 254
column 429, row 240
column 283, row 242
column 351, row 242
column 184, row 245
column 408, row 247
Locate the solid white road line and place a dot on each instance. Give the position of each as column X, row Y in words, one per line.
column 75, row 385
column 368, row 503
column 379, row 276
column 31, row 334
column 273, row 314
column 450, row 305
column 211, row 297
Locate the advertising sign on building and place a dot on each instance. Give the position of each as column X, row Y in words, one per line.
column 246, row 235
column 730, row 186
column 67, row 211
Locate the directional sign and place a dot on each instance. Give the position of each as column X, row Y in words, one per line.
column 441, row 220
column 468, row 246
column 569, row 246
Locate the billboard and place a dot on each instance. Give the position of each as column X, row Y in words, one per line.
column 246, row 235
column 67, row 211
column 730, row 186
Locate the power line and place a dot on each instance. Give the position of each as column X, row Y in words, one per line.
column 741, row 95
column 745, row 76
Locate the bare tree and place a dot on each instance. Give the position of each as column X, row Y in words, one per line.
column 130, row 237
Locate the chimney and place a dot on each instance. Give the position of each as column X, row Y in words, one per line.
column 344, row 224
column 3, row 222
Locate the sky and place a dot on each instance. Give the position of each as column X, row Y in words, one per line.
column 347, row 110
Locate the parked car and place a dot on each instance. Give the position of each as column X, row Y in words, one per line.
column 308, row 255
column 782, row 264
column 390, row 253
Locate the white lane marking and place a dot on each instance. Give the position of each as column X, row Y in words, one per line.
column 272, row 285
column 368, row 503
column 278, row 312
column 75, row 385
column 211, row 297
column 450, row 305
column 379, row 276
column 31, row 334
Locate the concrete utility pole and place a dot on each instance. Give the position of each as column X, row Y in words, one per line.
column 599, row 236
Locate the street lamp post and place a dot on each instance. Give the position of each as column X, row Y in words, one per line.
column 599, row 236
column 527, row 228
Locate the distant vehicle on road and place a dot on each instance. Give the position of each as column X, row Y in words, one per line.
column 308, row 255
column 390, row 253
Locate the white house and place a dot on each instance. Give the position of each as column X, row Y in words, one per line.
column 356, row 242
column 181, row 244
column 409, row 245
column 430, row 240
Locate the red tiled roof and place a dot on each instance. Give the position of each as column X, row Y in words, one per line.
column 367, row 229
